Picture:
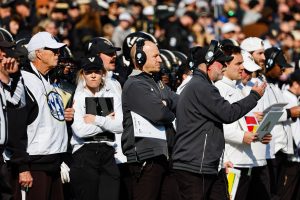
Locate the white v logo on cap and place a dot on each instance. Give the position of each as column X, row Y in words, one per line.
column 92, row 59
column 89, row 46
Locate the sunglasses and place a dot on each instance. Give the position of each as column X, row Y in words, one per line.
column 55, row 51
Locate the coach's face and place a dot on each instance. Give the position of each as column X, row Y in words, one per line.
column 152, row 64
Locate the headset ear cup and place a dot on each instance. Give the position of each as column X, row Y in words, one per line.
column 271, row 61
column 140, row 55
column 209, row 57
column 140, row 58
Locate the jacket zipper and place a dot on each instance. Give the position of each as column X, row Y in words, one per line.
column 203, row 154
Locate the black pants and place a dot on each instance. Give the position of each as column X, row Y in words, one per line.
column 276, row 169
column 94, row 173
column 6, row 192
column 151, row 180
column 125, row 182
column 194, row 186
column 289, row 183
column 46, row 186
column 254, row 184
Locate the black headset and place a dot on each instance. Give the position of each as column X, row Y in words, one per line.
column 271, row 61
column 210, row 55
column 191, row 61
column 140, row 55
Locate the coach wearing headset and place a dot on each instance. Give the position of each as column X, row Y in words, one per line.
column 147, row 110
column 201, row 112
column 282, row 141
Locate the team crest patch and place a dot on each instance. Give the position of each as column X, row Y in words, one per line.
column 55, row 105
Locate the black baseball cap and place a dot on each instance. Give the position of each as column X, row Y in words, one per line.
column 92, row 63
column 100, row 45
column 6, row 3
column 197, row 56
column 4, row 43
column 279, row 58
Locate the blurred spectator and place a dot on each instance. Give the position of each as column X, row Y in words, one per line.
column 254, row 13
column 123, row 29
column 112, row 14
column 42, row 9
column 178, row 35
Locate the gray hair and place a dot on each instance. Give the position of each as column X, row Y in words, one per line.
column 32, row 56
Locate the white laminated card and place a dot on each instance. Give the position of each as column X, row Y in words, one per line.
column 144, row 128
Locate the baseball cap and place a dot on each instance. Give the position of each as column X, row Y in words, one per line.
column 20, row 49
column 197, row 56
column 3, row 41
column 229, row 42
column 279, row 58
column 187, row 2
column 125, row 16
column 43, row 40
column 251, row 44
column 83, row 1
column 100, row 45
column 249, row 63
column 149, row 10
column 92, row 63
column 228, row 27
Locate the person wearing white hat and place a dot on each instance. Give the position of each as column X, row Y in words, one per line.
column 239, row 141
column 255, row 46
column 123, row 29
column 47, row 134
column 258, row 181
column 249, row 68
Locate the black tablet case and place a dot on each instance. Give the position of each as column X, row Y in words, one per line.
column 101, row 106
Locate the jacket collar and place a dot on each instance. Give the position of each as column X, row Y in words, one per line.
column 229, row 82
column 200, row 73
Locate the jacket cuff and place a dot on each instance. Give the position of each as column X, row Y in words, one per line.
column 99, row 121
column 23, row 168
column 255, row 94
column 288, row 112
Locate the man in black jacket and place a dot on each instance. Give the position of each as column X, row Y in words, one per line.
column 11, row 97
column 201, row 111
column 147, row 112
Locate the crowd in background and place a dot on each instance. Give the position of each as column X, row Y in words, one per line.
column 177, row 25
column 175, row 31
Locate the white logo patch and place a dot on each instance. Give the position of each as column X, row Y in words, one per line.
column 56, row 106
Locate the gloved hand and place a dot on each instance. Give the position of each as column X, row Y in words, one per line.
column 64, row 173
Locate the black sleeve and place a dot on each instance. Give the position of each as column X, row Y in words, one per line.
column 18, row 119
column 143, row 101
column 218, row 109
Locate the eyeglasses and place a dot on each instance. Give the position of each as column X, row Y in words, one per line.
column 55, row 51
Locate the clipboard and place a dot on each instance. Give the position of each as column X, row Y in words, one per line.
column 101, row 106
column 233, row 178
column 275, row 107
column 268, row 123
